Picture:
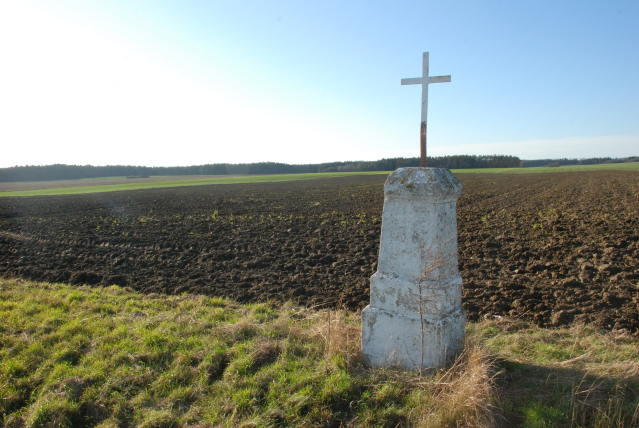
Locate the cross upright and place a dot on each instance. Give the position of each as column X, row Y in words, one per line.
column 424, row 81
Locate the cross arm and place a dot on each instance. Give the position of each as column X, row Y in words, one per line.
column 413, row 81
column 439, row 79
column 420, row 80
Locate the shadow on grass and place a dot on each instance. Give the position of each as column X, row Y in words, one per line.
column 568, row 395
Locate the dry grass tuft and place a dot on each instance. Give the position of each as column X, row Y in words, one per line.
column 461, row 396
column 342, row 336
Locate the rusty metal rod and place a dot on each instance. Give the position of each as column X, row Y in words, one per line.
column 422, row 140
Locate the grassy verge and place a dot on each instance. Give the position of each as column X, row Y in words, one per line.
column 78, row 356
column 569, row 377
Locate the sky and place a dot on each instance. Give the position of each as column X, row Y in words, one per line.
column 192, row 82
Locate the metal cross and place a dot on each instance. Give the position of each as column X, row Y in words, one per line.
column 424, row 81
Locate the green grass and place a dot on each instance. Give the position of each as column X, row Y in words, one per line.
column 572, row 377
column 119, row 177
column 628, row 166
column 108, row 357
column 180, row 183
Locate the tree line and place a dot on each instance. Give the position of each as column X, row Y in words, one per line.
column 566, row 161
column 74, row 172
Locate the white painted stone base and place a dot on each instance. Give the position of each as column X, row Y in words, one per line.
column 442, row 339
column 415, row 317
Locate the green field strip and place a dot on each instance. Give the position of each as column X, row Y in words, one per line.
column 123, row 177
column 627, row 166
column 119, row 177
column 181, row 183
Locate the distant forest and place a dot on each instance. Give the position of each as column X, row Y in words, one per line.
column 565, row 161
column 74, row 172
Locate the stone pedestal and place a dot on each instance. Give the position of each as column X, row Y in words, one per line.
column 415, row 317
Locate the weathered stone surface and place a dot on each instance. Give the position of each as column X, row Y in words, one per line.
column 415, row 317
column 391, row 339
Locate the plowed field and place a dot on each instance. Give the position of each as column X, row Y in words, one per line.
column 550, row 248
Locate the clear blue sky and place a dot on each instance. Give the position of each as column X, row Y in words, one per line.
column 153, row 82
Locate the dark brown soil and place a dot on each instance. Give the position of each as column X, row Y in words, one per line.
column 550, row 248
